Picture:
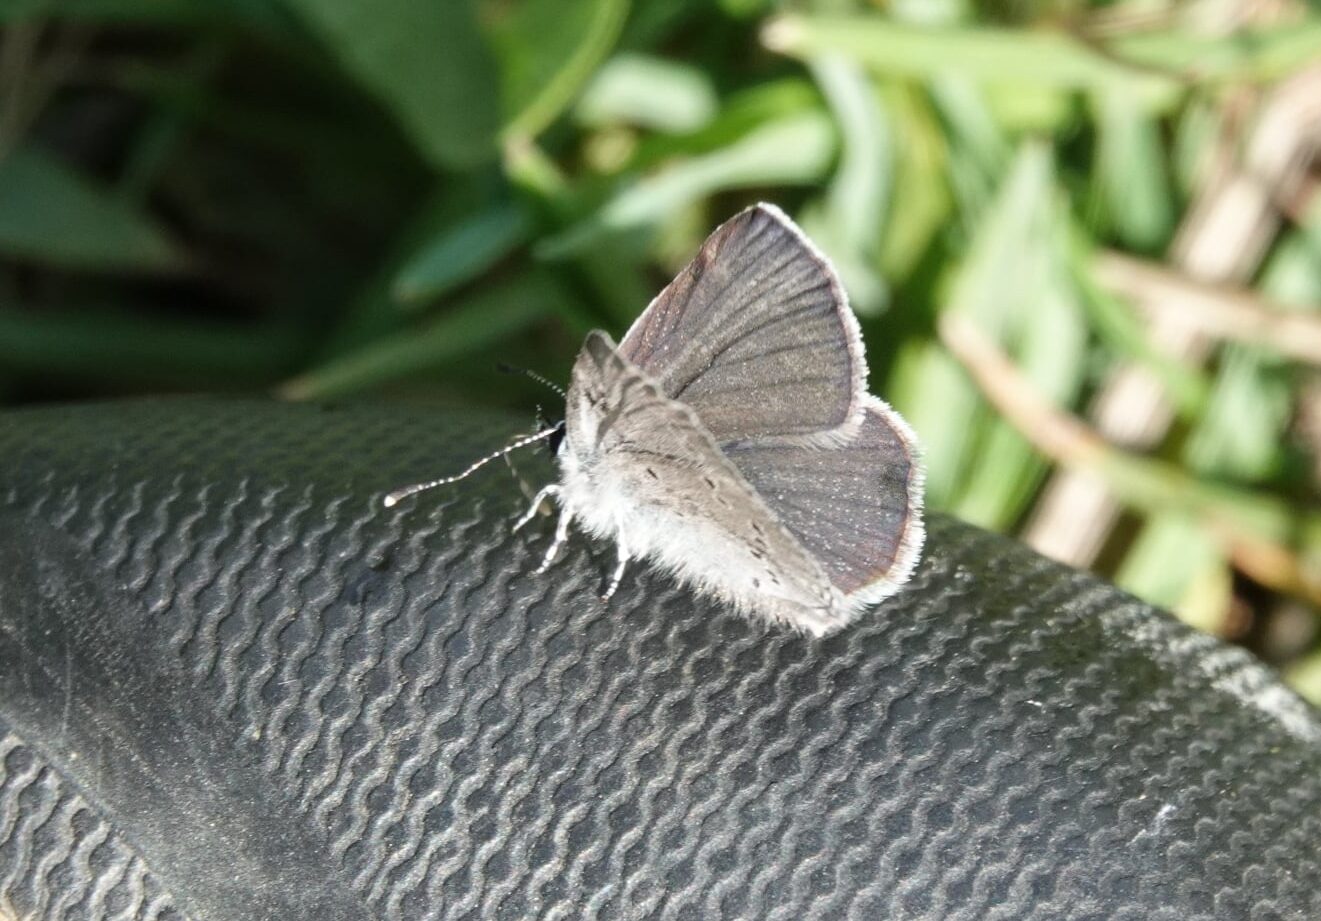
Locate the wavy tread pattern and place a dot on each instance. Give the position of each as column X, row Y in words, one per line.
column 59, row 859
column 448, row 736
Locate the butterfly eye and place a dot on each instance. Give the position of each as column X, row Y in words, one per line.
column 557, row 439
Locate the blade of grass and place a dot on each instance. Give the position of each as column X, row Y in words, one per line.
column 924, row 383
column 1292, row 282
column 970, row 123
column 741, row 113
column 1008, row 471
column 978, row 153
column 792, row 151
column 1154, row 66
column 981, row 53
column 1305, row 677
column 1239, row 436
column 549, row 50
column 1045, row 329
column 922, row 201
column 460, row 252
column 1243, row 431
column 859, row 190
column 1172, row 555
column 474, row 323
column 649, row 92
column 943, row 407
column 1123, row 332
column 1261, row 53
column 848, row 225
column 1197, row 129
column 1131, row 174
column 610, row 270
column 1256, row 530
column 1021, row 108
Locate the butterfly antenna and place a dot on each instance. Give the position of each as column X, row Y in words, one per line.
column 511, row 369
column 394, row 497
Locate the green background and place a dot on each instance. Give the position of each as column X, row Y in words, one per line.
column 333, row 199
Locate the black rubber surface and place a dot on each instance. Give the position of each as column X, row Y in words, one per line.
column 233, row 686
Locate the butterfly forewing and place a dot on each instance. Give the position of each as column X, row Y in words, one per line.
column 855, row 509
column 755, row 334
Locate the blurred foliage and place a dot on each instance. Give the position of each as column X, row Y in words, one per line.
column 330, row 198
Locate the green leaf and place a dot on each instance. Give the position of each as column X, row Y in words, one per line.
column 425, row 61
column 1151, row 65
column 1116, row 324
column 1172, row 552
column 1206, row 56
column 934, row 394
column 791, row 151
column 648, row 92
column 1197, row 137
column 1051, row 353
column 740, row 113
column 1001, row 285
column 1290, row 277
column 981, row 53
column 978, row 153
column 971, row 124
column 51, row 214
column 548, row 50
column 460, row 252
column 1239, row 435
column 1132, row 173
column 1305, row 677
column 1017, row 226
column 922, row 201
column 859, row 190
column 848, row 225
column 1243, row 431
column 464, row 328
column 1024, row 108
column 745, row 9
column 1033, row 302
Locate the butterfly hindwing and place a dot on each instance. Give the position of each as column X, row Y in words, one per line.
column 856, row 508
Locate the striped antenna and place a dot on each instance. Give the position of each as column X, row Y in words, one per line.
column 511, row 369
column 393, row 498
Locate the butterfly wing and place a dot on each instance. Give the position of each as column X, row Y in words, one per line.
column 756, row 335
column 644, row 471
column 856, row 508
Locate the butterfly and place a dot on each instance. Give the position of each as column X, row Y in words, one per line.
column 730, row 440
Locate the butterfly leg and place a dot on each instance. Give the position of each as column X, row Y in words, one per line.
column 546, row 492
column 623, row 557
column 523, row 486
column 561, row 535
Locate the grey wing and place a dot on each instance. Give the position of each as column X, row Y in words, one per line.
column 695, row 512
column 857, row 509
column 756, row 335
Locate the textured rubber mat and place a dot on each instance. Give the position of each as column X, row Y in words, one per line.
column 234, row 686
